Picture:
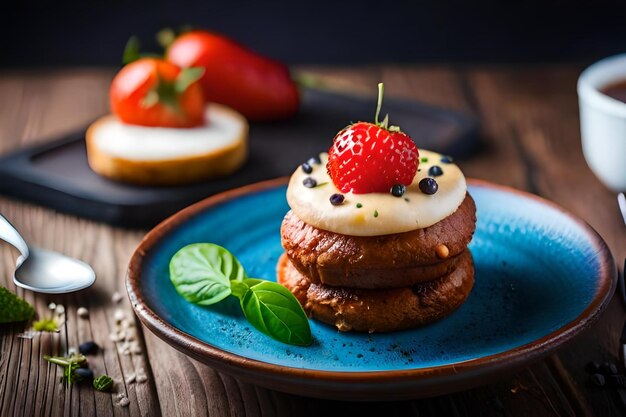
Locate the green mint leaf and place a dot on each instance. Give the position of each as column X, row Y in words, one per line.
column 13, row 308
column 202, row 272
column 272, row 309
column 186, row 77
column 131, row 51
column 103, row 383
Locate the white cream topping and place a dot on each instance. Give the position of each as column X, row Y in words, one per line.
column 224, row 128
column 380, row 213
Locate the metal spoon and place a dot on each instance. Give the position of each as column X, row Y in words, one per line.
column 45, row 271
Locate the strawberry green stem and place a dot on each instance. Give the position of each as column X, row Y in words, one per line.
column 385, row 123
column 381, row 91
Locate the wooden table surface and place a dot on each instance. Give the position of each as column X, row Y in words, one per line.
column 531, row 140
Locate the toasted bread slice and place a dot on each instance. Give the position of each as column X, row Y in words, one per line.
column 166, row 156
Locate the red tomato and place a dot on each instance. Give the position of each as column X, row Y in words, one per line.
column 258, row 87
column 144, row 93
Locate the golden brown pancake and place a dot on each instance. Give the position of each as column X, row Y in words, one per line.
column 388, row 261
column 380, row 310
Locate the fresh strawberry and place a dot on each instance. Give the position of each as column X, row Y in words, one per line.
column 372, row 157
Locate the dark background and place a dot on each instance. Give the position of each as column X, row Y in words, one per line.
column 73, row 32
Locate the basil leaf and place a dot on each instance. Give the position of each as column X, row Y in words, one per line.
column 253, row 281
column 201, row 273
column 273, row 310
column 239, row 288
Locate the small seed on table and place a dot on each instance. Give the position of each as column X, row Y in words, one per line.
column 82, row 312
column 118, row 315
column 123, row 400
column 442, row 251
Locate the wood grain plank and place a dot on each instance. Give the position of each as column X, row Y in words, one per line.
column 529, row 120
column 50, row 105
column 541, row 107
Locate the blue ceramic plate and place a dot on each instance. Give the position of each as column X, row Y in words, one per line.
column 542, row 276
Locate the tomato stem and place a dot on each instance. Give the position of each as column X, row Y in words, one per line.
column 165, row 37
column 131, row 51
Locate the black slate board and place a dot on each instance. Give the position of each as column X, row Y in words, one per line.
column 56, row 175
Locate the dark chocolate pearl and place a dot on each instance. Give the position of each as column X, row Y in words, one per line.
column 446, row 160
column 84, row 373
column 608, row 368
column 592, row 367
column 428, row 186
column 88, row 348
column 306, row 168
column 309, row 182
column 336, row 199
column 435, row 171
column 314, row 160
column 398, row 190
column 598, row 380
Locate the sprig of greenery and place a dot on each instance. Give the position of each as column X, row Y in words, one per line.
column 205, row 273
column 103, row 383
column 69, row 364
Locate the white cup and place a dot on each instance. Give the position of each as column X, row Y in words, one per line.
column 603, row 122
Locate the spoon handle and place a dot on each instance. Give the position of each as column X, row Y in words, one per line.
column 9, row 234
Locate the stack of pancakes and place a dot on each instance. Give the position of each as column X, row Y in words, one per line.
column 380, row 283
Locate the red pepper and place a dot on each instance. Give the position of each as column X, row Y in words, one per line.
column 258, row 87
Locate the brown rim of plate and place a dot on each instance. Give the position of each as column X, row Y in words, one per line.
column 507, row 359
